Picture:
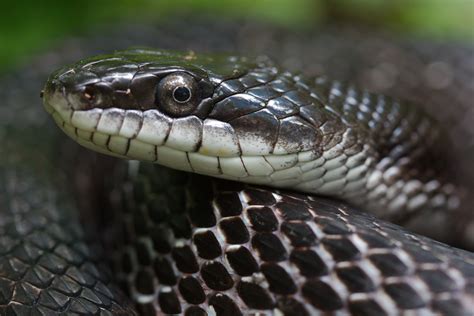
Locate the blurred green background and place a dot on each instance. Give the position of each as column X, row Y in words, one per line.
column 28, row 27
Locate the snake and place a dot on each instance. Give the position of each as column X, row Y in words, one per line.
column 266, row 217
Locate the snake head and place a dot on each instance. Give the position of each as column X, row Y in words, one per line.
column 222, row 115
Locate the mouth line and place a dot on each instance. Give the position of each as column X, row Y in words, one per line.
column 259, row 169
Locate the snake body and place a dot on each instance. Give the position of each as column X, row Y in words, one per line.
column 237, row 249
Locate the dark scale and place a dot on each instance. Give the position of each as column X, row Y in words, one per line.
column 282, row 107
column 158, row 209
column 140, row 222
column 309, row 263
column 263, row 92
column 181, row 226
column 140, row 189
column 376, row 240
column 355, row 279
column 291, row 307
column 235, row 107
column 259, row 197
column 449, row 306
column 389, row 264
column 366, row 307
column 161, row 237
column 143, row 254
column 332, row 227
column 421, row 255
column 249, row 80
column 147, row 309
column 224, row 305
column 299, row 233
column 169, row 302
column 201, row 214
column 228, row 204
column 279, row 280
column 437, row 279
column 404, row 295
column 126, row 262
column 216, row 276
column 191, row 290
column 231, row 86
column 144, row 282
column 207, row 245
column 321, row 295
column 185, row 260
column 254, row 296
column 164, row 271
column 293, row 211
column 39, row 276
column 341, row 248
column 234, row 230
column 242, row 261
column 269, row 247
column 262, row 219
column 195, row 311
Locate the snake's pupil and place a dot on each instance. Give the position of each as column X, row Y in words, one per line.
column 181, row 94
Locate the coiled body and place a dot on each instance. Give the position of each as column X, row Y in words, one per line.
column 237, row 250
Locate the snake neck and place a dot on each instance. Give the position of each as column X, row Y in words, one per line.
column 377, row 157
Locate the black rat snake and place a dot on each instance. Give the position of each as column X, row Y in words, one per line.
column 190, row 244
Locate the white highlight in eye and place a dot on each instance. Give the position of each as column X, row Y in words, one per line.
column 86, row 120
column 185, row 133
column 155, row 127
column 110, row 121
column 218, row 139
column 131, row 124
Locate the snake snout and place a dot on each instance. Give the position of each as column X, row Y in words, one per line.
column 54, row 97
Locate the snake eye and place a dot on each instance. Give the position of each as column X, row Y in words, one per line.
column 176, row 94
column 182, row 94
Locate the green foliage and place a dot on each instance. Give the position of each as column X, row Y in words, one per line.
column 31, row 26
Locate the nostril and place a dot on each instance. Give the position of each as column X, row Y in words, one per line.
column 89, row 94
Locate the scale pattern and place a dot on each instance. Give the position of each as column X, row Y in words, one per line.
column 47, row 264
column 237, row 250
